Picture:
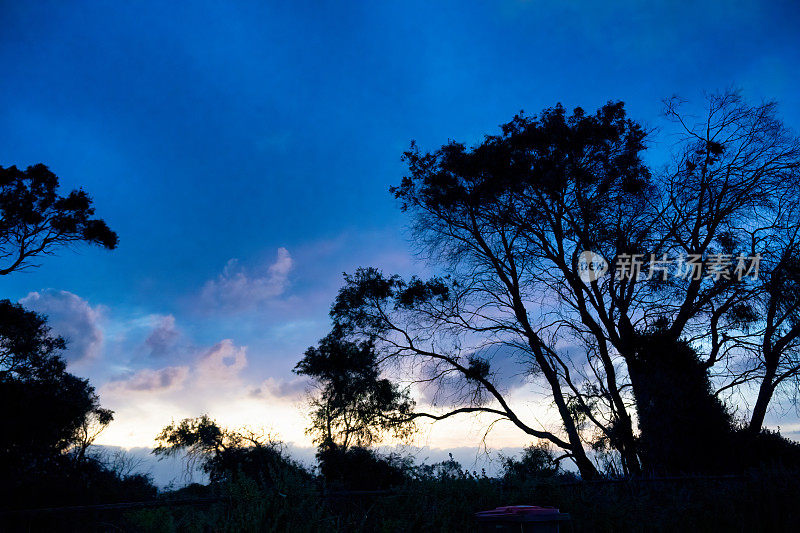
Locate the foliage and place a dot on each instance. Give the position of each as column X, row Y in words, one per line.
column 762, row 500
column 224, row 454
column 48, row 411
column 359, row 468
column 683, row 425
column 354, row 405
column 35, row 219
column 52, row 416
column 538, row 461
column 505, row 223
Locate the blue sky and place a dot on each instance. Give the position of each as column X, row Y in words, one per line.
column 243, row 152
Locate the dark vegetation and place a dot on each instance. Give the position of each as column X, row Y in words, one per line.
column 758, row 502
column 443, row 497
column 643, row 392
column 224, row 454
column 651, row 357
column 51, row 416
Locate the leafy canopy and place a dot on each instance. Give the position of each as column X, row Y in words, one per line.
column 355, row 406
column 35, row 219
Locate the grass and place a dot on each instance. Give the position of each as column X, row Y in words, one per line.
column 759, row 501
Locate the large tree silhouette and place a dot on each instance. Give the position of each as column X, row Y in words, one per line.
column 47, row 409
column 51, row 416
column 506, row 222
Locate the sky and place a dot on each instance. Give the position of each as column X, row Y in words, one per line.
column 243, row 152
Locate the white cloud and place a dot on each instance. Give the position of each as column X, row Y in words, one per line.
column 214, row 383
column 238, row 289
column 219, row 366
column 149, row 380
column 222, row 362
column 284, row 389
column 71, row 317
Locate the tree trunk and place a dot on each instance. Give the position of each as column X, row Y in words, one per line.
column 627, row 447
column 585, row 466
column 762, row 402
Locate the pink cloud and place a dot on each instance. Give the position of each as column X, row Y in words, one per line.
column 239, row 289
column 149, row 380
column 222, row 362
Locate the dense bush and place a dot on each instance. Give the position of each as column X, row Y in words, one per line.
column 358, row 468
column 537, row 462
column 64, row 481
column 224, row 453
column 759, row 501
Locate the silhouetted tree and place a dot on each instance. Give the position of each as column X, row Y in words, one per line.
column 507, row 221
column 53, row 410
column 36, row 220
column 52, row 416
column 47, row 412
column 536, row 462
column 353, row 405
column 223, row 453
column 47, row 406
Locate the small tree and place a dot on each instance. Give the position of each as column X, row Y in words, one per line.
column 537, row 461
column 353, row 406
column 223, row 453
column 50, row 413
